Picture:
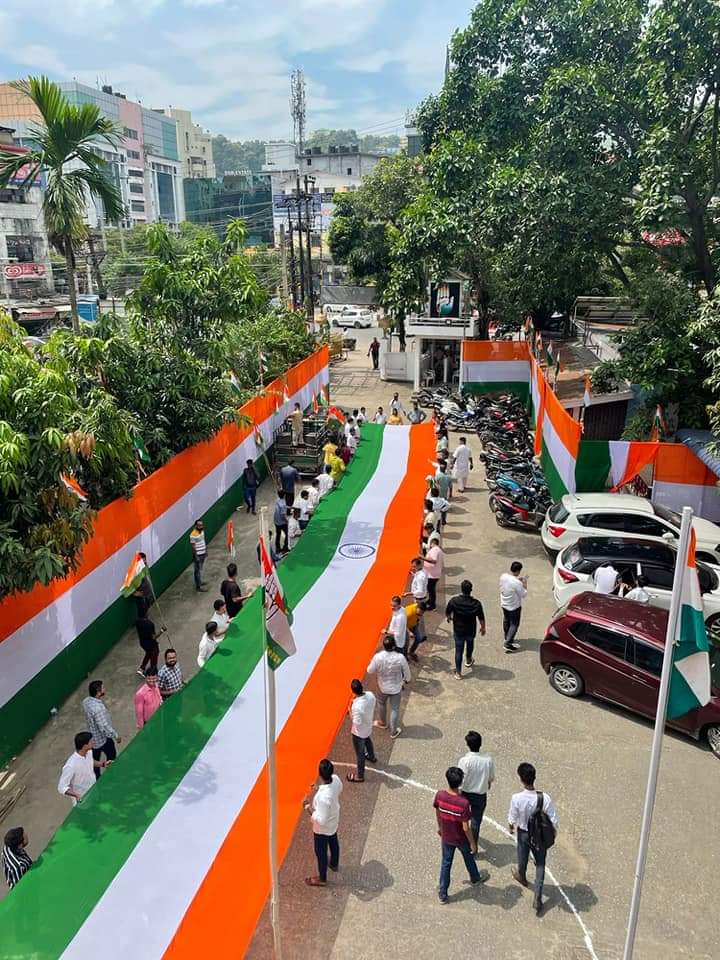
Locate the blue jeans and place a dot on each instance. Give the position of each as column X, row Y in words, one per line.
column 197, row 570
column 448, row 854
column 249, row 494
column 523, row 855
column 323, row 843
column 463, row 640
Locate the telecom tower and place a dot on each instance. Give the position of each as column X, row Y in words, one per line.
column 297, row 107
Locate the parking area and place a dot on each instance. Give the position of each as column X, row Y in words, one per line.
column 592, row 759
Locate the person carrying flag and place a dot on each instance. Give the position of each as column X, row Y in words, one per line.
column 250, row 482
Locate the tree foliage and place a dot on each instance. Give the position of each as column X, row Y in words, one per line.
column 169, row 375
column 232, row 155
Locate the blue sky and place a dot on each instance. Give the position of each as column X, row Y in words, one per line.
column 229, row 61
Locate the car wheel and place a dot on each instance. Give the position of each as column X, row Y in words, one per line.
column 566, row 681
column 357, row 324
column 712, row 735
column 712, row 625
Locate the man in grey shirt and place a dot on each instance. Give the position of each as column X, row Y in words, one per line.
column 479, row 770
column 99, row 723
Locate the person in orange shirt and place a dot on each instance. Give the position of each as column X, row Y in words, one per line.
column 147, row 699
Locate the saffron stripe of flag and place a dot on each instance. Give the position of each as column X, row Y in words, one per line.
column 136, row 573
column 73, row 487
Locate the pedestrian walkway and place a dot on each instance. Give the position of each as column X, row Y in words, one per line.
column 40, row 809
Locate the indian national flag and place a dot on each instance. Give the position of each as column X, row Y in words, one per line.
column 168, row 823
column 259, row 442
column 315, row 403
column 285, row 394
column 137, row 571
column 690, row 677
column 335, row 413
column 324, row 396
column 73, row 487
column 550, row 356
column 280, row 641
column 587, row 396
column 230, row 538
column 658, row 428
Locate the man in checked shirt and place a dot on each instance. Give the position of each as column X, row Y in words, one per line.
column 170, row 678
column 99, row 723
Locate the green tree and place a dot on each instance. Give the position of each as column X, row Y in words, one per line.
column 64, row 151
column 232, row 155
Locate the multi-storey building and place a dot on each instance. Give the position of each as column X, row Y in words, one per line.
column 145, row 165
column 194, row 145
column 25, row 269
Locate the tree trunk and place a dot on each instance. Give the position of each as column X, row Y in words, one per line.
column 70, row 276
column 698, row 235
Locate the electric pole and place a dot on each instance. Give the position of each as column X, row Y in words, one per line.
column 310, row 291
column 301, row 255
column 283, row 266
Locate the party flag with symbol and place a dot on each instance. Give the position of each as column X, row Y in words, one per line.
column 280, row 641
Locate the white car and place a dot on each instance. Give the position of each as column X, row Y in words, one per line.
column 624, row 515
column 352, row 317
column 576, row 565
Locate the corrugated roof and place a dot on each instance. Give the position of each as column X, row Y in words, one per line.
column 342, row 293
column 702, row 443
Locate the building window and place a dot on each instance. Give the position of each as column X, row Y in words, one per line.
column 349, row 171
column 132, row 172
column 130, row 134
column 12, row 195
column 137, row 188
column 134, row 154
column 19, row 249
column 138, row 206
column 309, row 161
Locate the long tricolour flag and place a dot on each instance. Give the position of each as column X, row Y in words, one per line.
column 166, row 825
column 280, row 640
column 690, row 677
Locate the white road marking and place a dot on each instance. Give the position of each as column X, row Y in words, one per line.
column 587, row 936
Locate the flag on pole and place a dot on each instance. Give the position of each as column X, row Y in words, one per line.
column 558, row 366
column 334, row 413
column 73, row 487
column 264, row 362
column 141, row 454
column 136, row 573
column 324, row 396
column 259, row 442
column 315, row 403
column 285, row 394
column 234, row 382
column 230, row 538
column 280, row 641
column 549, row 356
column 658, row 428
column 587, row 396
column 538, row 346
column 690, row 676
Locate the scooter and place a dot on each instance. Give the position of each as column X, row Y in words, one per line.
column 528, row 514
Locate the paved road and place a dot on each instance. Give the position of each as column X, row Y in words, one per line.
column 590, row 757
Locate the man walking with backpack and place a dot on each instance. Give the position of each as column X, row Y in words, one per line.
column 532, row 813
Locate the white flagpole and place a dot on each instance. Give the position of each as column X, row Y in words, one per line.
column 270, row 732
column 675, row 604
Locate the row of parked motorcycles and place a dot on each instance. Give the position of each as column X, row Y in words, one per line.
column 519, row 495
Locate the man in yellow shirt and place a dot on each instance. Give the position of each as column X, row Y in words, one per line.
column 415, row 623
column 337, row 468
column 394, row 419
column 330, row 449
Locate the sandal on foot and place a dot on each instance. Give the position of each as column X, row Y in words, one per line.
column 353, row 778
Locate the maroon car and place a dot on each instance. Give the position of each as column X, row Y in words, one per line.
column 613, row 649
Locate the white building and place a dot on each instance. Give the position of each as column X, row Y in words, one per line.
column 194, row 145
column 25, row 268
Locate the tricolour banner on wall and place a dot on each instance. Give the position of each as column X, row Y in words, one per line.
column 51, row 637
column 173, row 839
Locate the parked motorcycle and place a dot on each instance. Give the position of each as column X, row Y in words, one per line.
column 528, row 513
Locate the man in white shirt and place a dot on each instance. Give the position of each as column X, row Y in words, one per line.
column 398, row 624
column 348, row 426
column 523, row 806
column 392, row 671
column 396, row 404
column 605, row 578
column 208, row 643
column 325, row 815
column 479, row 770
column 638, row 593
column 352, row 441
column 418, row 585
column 462, row 462
column 325, row 481
column 78, row 773
column 513, row 590
column 434, row 563
column 440, row 505
column 379, row 416
column 361, row 710
column 221, row 618
column 313, row 496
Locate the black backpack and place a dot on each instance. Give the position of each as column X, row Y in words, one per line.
column 541, row 832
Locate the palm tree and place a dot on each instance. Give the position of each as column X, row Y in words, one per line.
column 63, row 151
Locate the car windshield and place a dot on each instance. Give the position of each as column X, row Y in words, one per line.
column 670, row 515
column 558, row 513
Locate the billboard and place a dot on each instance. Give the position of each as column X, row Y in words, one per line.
column 25, row 271
column 446, row 299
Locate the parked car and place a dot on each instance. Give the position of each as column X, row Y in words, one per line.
column 604, row 514
column 352, row 317
column 575, row 567
column 613, row 649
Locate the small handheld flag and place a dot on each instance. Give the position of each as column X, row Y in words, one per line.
column 285, row 394
column 73, row 487
column 230, row 538
column 324, row 396
column 334, row 413
column 259, row 442
column 549, row 356
column 315, row 403
column 658, row 428
column 136, row 573
column 587, row 396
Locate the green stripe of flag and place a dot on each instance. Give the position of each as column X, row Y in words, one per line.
column 43, row 913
